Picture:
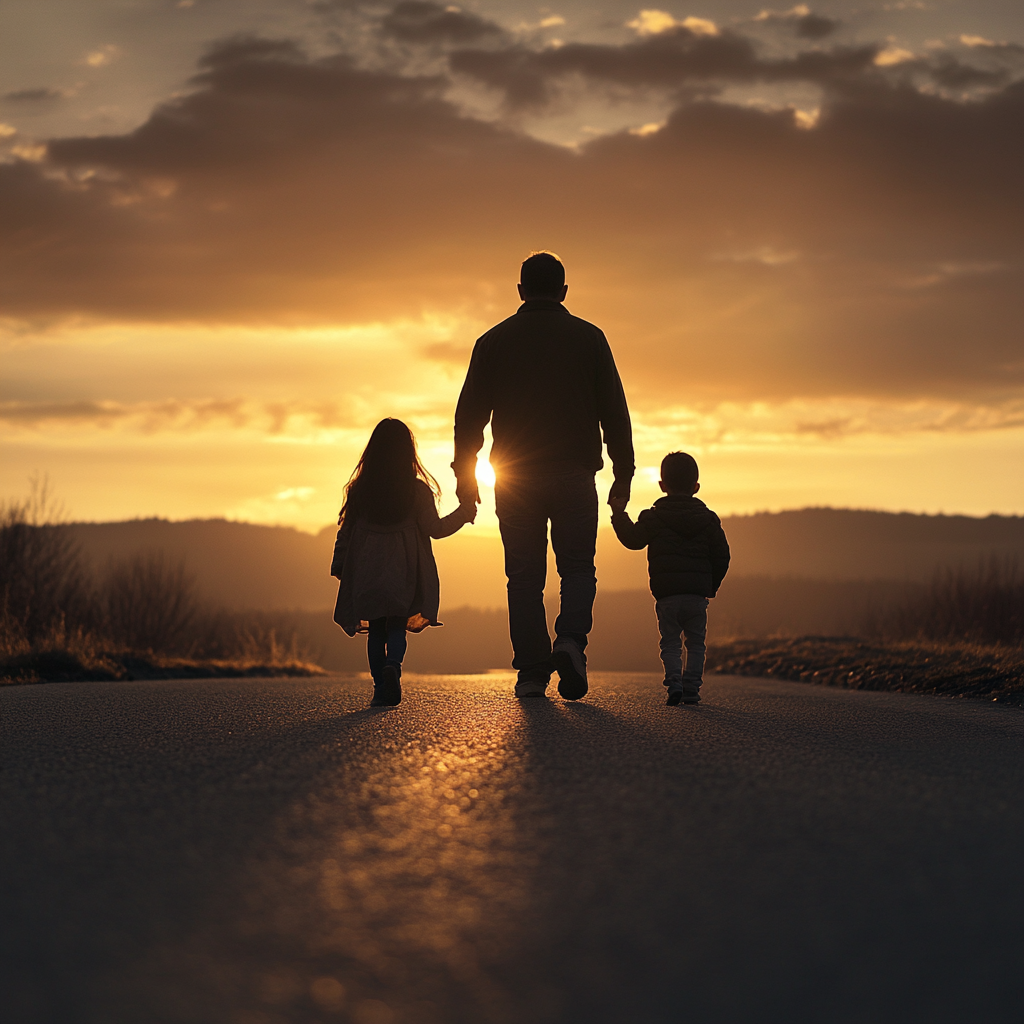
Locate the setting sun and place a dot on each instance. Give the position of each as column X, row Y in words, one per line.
column 484, row 472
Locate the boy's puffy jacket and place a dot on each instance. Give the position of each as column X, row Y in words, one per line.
column 687, row 552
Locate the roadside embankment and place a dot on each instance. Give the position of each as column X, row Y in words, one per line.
column 60, row 665
column 994, row 673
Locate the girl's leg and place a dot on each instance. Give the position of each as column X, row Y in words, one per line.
column 397, row 642
column 376, row 640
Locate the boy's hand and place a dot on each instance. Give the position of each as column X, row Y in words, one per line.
column 618, row 504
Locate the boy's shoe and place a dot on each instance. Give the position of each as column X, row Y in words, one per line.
column 674, row 697
column 531, row 688
column 571, row 665
column 388, row 692
column 691, row 694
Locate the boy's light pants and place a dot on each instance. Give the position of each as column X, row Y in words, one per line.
column 683, row 615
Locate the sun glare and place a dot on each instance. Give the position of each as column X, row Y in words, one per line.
column 484, row 472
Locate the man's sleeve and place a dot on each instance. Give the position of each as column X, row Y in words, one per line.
column 471, row 416
column 614, row 416
column 632, row 535
column 718, row 549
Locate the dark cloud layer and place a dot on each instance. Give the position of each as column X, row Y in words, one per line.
column 750, row 253
column 39, row 95
column 814, row 26
column 419, row 21
column 669, row 60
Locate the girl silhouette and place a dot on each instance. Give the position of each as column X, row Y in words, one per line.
column 383, row 557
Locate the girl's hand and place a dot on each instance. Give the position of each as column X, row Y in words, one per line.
column 468, row 510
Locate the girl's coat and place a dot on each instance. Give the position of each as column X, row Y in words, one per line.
column 390, row 570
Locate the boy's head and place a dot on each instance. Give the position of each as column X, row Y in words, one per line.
column 679, row 474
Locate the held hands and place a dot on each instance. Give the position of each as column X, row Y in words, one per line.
column 618, row 496
column 468, row 510
column 468, row 492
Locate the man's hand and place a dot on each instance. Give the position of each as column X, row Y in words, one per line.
column 619, row 489
column 618, row 504
column 468, row 510
column 467, row 491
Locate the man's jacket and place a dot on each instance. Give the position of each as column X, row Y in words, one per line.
column 687, row 552
column 547, row 382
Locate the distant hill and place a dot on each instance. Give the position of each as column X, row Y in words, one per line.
column 849, row 544
column 241, row 565
column 237, row 565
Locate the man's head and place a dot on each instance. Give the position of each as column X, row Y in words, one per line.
column 542, row 277
column 679, row 474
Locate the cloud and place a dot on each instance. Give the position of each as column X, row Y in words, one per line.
column 893, row 55
column 653, row 23
column 102, row 56
column 420, row 21
column 805, row 23
column 182, row 416
column 289, row 189
column 43, row 94
column 672, row 59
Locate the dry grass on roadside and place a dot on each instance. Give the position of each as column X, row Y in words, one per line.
column 82, row 657
column 988, row 672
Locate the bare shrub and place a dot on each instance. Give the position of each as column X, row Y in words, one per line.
column 44, row 588
column 250, row 636
column 981, row 605
column 149, row 604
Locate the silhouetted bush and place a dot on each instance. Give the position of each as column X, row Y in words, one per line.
column 51, row 608
column 43, row 586
column 980, row 605
column 149, row 604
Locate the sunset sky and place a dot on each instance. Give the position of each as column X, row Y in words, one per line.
column 236, row 234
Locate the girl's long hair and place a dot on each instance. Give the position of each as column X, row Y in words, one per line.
column 382, row 487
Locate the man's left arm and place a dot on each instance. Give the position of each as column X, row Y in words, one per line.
column 614, row 416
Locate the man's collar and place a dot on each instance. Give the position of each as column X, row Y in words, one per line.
column 534, row 305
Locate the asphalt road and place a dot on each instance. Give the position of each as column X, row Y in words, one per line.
column 268, row 851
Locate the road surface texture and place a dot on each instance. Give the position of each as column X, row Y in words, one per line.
column 269, row 851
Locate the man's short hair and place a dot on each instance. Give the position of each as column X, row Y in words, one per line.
column 679, row 471
column 542, row 275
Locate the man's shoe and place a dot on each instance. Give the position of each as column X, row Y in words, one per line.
column 571, row 665
column 390, row 688
column 674, row 697
column 531, row 688
column 691, row 694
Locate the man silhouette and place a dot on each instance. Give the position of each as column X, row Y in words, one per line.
column 547, row 382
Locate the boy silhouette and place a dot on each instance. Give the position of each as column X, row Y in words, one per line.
column 687, row 559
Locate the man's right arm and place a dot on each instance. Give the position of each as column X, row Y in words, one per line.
column 471, row 416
